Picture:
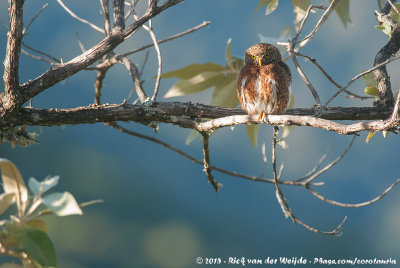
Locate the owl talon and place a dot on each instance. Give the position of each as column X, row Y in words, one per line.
column 261, row 117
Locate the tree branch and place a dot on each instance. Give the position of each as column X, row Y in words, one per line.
column 63, row 71
column 381, row 75
column 14, row 39
column 189, row 115
column 206, row 162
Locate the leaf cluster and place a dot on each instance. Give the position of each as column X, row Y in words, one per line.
column 24, row 235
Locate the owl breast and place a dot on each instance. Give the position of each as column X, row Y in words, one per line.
column 263, row 89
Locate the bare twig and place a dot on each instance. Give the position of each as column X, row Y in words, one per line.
column 394, row 7
column 37, row 57
column 312, row 171
column 302, row 75
column 323, row 18
column 207, row 166
column 315, row 193
column 351, row 94
column 81, row 46
column 79, row 18
column 54, row 60
column 334, row 162
column 130, row 96
column 149, row 29
column 106, row 15
column 282, row 200
column 203, row 24
column 33, row 18
column 355, row 79
column 292, row 53
column 200, row 162
column 135, row 76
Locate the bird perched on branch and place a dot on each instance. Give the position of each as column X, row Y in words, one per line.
column 264, row 80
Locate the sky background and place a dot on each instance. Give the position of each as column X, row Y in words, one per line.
column 159, row 210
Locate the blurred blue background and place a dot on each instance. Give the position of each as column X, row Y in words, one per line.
column 159, row 210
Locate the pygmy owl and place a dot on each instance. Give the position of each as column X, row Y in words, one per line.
column 264, row 80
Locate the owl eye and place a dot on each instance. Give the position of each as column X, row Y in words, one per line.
column 266, row 56
column 253, row 57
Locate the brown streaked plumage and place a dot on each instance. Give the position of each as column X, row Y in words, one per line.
column 264, row 80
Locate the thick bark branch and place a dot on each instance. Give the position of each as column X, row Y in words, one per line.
column 190, row 115
column 381, row 75
column 14, row 39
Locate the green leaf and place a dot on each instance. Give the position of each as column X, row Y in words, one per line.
column 225, row 92
column 191, row 137
column 13, row 183
column 194, row 85
column 5, row 201
column 194, row 69
column 35, row 243
column 385, row 28
column 62, row 204
column 343, row 11
column 372, row 91
column 39, row 188
column 252, row 133
column 299, row 8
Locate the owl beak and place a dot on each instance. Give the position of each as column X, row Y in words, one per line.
column 259, row 61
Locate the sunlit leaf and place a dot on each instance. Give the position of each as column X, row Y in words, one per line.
column 13, row 183
column 38, row 224
column 385, row 28
column 194, row 85
column 372, row 91
column 370, row 135
column 194, row 69
column 385, row 133
column 62, row 204
column 271, row 6
column 252, row 133
column 192, row 136
column 299, row 8
column 369, row 80
column 225, row 92
column 5, row 201
column 342, row 8
column 43, row 186
column 35, row 243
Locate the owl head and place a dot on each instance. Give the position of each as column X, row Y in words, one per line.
column 262, row 54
